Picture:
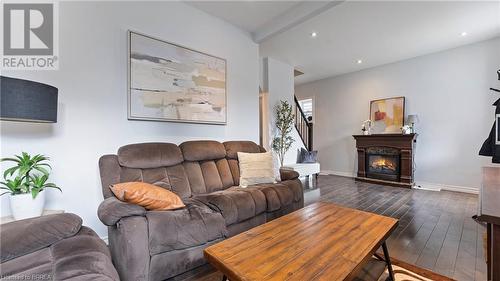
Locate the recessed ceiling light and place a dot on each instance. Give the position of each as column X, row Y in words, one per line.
column 463, row 33
column 314, row 34
column 359, row 61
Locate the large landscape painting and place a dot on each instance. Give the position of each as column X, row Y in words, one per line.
column 168, row 82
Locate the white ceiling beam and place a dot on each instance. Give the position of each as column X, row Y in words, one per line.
column 293, row 17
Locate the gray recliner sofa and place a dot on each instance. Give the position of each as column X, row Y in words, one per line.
column 54, row 247
column 158, row 245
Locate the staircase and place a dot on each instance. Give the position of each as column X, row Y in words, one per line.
column 303, row 126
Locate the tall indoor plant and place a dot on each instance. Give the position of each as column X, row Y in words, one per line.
column 25, row 182
column 284, row 125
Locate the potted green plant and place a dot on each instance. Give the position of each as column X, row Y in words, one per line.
column 25, row 182
column 284, row 125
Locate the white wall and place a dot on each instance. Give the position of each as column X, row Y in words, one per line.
column 278, row 82
column 93, row 93
column 449, row 92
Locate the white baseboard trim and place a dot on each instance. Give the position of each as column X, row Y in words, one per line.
column 427, row 186
column 418, row 185
column 447, row 187
column 337, row 173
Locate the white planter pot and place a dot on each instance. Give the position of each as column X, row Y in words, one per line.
column 23, row 206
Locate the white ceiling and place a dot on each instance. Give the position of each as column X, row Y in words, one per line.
column 380, row 33
column 247, row 15
column 263, row 19
column 377, row 32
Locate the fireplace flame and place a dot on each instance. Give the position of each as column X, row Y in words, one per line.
column 384, row 164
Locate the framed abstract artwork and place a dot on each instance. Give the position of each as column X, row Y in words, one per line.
column 387, row 115
column 169, row 82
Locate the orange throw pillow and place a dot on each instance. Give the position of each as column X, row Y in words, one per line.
column 147, row 195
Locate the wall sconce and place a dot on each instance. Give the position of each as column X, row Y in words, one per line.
column 27, row 101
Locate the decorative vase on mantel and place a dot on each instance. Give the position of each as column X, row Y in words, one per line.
column 406, row 130
column 366, row 127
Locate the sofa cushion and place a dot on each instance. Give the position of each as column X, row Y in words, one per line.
column 256, row 168
column 173, row 178
column 109, row 168
column 149, row 155
column 234, row 167
column 37, row 263
column 194, row 225
column 288, row 174
column 307, row 156
column 279, row 195
column 147, row 195
column 295, row 186
column 169, row 264
column 233, row 147
column 202, row 150
column 84, row 256
column 36, row 233
column 208, row 176
column 235, row 204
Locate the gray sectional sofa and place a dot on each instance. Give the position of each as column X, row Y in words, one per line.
column 54, row 247
column 158, row 245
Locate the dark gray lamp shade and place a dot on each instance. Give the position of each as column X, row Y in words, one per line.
column 28, row 101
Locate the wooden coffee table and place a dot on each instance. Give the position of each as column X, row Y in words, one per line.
column 322, row 241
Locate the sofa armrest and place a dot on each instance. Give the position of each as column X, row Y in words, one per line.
column 22, row 237
column 288, row 174
column 111, row 210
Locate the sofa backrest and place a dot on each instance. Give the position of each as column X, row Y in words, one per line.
column 193, row 167
column 232, row 149
column 206, row 166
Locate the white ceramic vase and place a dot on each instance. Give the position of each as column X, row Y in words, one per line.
column 23, row 206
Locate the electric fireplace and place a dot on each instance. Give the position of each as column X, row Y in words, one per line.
column 382, row 163
column 386, row 158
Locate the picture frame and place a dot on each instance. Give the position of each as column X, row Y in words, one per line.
column 387, row 115
column 173, row 83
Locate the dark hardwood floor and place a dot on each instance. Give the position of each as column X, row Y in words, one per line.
column 435, row 228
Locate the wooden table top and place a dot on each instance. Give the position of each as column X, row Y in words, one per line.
column 322, row 241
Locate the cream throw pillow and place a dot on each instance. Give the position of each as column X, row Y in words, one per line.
column 256, row 168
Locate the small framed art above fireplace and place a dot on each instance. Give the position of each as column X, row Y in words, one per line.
column 386, row 158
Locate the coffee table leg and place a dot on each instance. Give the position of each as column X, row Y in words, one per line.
column 388, row 261
column 224, row 278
